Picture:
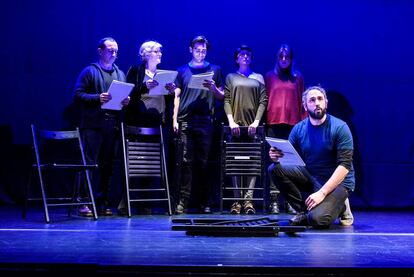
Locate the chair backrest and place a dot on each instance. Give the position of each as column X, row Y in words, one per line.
column 54, row 148
column 243, row 157
column 260, row 133
column 144, row 151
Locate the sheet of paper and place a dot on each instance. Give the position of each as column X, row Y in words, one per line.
column 290, row 155
column 163, row 77
column 198, row 80
column 119, row 91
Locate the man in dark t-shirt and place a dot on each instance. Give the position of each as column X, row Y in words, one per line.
column 193, row 123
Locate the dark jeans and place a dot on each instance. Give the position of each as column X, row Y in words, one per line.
column 281, row 131
column 292, row 181
column 195, row 137
column 101, row 147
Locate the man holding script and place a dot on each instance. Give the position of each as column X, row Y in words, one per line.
column 193, row 123
column 325, row 144
column 99, row 124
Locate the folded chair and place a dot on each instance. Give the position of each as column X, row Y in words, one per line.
column 238, row 159
column 144, row 160
column 60, row 154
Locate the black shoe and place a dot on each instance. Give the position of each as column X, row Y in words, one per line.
column 301, row 219
column 274, row 208
column 289, row 209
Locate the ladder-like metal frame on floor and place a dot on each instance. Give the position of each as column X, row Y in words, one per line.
column 262, row 226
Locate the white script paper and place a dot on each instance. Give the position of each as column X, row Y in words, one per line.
column 198, row 80
column 290, row 155
column 163, row 77
column 119, row 91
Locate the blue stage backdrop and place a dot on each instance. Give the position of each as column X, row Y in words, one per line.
column 360, row 51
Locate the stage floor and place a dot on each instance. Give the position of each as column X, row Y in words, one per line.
column 380, row 242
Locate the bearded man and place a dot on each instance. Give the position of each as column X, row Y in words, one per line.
column 326, row 146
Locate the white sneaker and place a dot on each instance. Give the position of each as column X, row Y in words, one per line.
column 346, row 218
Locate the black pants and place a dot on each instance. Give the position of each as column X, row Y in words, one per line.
column 281, row 131
column 101, row 147
column 195, row 138
column 293, row 180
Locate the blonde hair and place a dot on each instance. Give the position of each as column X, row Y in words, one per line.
column 147, row 47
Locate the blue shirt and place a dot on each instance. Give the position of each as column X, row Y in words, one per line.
column 319, row 145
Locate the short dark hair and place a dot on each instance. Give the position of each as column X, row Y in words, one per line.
column 199, row 39
column 318, row 88
column 101, row 42
column 242, row 47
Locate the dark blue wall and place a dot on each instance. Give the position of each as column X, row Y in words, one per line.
column 361, row 51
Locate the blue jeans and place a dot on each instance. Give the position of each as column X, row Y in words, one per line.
column 294, row 181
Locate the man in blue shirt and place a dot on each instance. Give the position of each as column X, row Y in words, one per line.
column 325, row 144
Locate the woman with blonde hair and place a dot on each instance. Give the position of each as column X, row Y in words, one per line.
column 145, row 109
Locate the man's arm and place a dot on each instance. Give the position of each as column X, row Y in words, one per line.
column 175, row 112
column 344, row 160
column 83, row 86
column 333, row 182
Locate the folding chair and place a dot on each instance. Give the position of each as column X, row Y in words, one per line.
column 59, row 152
column 240, row 159
column 144, row 159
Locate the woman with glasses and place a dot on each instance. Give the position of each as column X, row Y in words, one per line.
column 146, row 110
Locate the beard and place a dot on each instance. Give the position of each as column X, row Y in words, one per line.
column 318, row 114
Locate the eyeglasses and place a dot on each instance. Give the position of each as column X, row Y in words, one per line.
column 200, row 51
column 244, row 54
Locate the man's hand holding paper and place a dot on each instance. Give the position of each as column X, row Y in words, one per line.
column 283, row 151
column 162, row 83
column 117, row 95
column 275, row 154
column 201, row 81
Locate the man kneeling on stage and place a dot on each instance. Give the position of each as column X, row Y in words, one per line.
column 325, row 144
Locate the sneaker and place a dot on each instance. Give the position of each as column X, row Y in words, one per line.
column 235, row 208
column 274, row 208
column 85, row 211
column 180, row 209
column 346, row 218
column 105, row 212
column 289, row 209
column 300, row 219
column 248, row 207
